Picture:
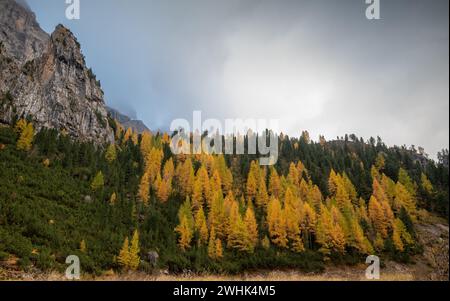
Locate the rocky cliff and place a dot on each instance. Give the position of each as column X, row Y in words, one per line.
column 127, row 122
column 46, row 78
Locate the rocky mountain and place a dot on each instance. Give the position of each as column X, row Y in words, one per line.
column 45, row 77
column 127, row 122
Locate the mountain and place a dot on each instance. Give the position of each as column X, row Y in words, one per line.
column 45, row 77
column 127, row 122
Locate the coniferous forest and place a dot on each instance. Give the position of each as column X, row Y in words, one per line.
column 116, row 206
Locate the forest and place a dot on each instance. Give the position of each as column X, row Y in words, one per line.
column 323, row 202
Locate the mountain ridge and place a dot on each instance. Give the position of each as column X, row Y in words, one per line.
column 45, row 77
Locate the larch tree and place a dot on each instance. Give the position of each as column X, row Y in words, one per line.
column 201, row 227
column 134, row 258
column 426, row 184
column 219, row 249
column 292, row 220
column 238, row 237
column 276, row 223
column 25, row 140
column 128, row 135
column 262, row 198
column 329, row 233
column 146, row 144
column 98, row 182
column 111, row 153
column 164, row 189
column 403, row 198
column 274, row 184
column 212, row 243
column 83, row 246
column 20, row 126
column 380, row 216
column 144, row 188
column 251, row 187
column 185, row 228
column 251, row 226
column 124, row 255
column 405, row 180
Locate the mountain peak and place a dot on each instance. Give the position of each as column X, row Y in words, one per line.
column 47, row 78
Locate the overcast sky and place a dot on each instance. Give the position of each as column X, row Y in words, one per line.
column 314, row 65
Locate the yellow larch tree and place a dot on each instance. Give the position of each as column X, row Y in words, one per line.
column 238, row 237
column 201, row 227
column 25, row 140
column 274, row 184
column 276, row 223
column 375, row 212
column 262, row 198
column 251, row 187
column 251, row 226
column 185, row 228
column 134, row 258
column 144, row 188
column 124, row 255
column 403, row 198
column 111, row 153
column 212, row 243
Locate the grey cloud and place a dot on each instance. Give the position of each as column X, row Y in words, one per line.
column 316, row 65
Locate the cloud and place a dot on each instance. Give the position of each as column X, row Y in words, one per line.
column 315, row 65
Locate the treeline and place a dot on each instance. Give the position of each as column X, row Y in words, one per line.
column 113, row 206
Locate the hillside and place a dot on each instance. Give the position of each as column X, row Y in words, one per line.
column 78, row 178
column 63, row 197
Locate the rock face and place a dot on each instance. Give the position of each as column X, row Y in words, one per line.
column 127, row 122
column 46, row 78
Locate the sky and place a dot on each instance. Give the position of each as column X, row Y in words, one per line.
column 314, row 65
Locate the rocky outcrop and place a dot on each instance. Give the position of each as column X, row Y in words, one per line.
column 127, row 122
column 46, row 78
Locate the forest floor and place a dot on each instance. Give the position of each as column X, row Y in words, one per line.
column 433, row 264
